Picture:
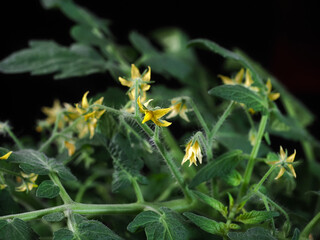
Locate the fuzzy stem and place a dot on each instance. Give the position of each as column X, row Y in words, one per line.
column 253, row 155
column 308, row 228
column 13, row 137
column 199, row 116
column 137, row 190
column 63, row 193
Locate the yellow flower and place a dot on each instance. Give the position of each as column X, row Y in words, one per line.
column 271, row 96
column 178, row 107
column 53, row 112
column 233, row 81
column 193, row 151
column 28, row 182
column 84, row 108
column 249, row 81
column 71, row 147
column 135, row 75
column 283, row 162
column 6, row 156
column 3, row 186
column 154, row 115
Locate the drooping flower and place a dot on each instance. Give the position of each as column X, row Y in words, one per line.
column 284, row 162
column 154, row 114
column 178, row 107
column 272, row 96
column 28, row 182
column 71, row 147
column 6, row 156
column 193, row 152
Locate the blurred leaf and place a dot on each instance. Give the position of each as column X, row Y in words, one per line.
column 212, row 203
column 48, row 57
column 16, row 229
column 32, row 161
column 207, row 224
column 53, row 217
column 296, row 234
column 7, row 204
column 167, row 225
column 234, row 178
column 47, row 189
column 240, row 94
column 214, row 47
column 254, row 217
column 217, row 168
column 252, row 234
column 86, row 35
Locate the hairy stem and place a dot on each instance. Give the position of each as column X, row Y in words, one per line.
column 308, row 228
column 63, row 193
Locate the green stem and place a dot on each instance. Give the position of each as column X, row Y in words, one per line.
column 137, row 190
column 63, row 193
column 85, row 186
column 171, row 164
column 253, row 155
column 179, row 205
column 264, row 178
column 13, row 136
column 199, row 116
column 308, row 228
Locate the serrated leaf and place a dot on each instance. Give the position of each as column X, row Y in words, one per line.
column 240, row 94
column 252, row 234
column 207, row 224
column 167, row 225
column 92, row 229
column 47, row 189
column 254, row 217
column 219, row 167
column 32, row 161
column 53, row 217
column 16, row 229
column 127, row 164
column 212, row 202
column 48, row 57
column 63, row 234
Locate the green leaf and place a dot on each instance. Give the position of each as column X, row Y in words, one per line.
column 254, row 217
column 63, row 234
column 32, row 161
column 167, row 225
column 218, row 168
column 48, row 57
column 234, row 178
column 127, row 164
column 53, row 217
column 87, row 35
column 7, row 204
column 47, row 189
column 252, row 234
column 141, row 43
column 16, row 229
column 207, row 224
column 212, row 203
column 92, row 229
column 240, row 94
column 214, row 47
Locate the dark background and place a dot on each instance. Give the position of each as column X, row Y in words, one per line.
column 282, row 35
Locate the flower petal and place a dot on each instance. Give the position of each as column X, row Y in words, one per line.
column 161, row 112
column 281, row 172
column 291, row 157
column 135, row 73
column 84, row 102
column 238, row 78
column 273, row 96
column 161, row 123
column 125, row 82
column 292, row 170
column 226, row 80
column 146, row 77
column 282, row 153
column 148, row 116
column 6, row 156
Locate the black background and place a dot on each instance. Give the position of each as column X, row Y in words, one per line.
column 282, row 35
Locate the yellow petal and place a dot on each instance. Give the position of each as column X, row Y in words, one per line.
column 21, row 188
column 291, row 157
column 269, row 85
column 172, row 114
column 135, row 73
column 148, row 116
column 84, row 103
column 125, row 82
column 273, row 96
column 3, row 186
column 292, row 170
column 281, row 172
column 146, row 77
column 238, row 78
column 249, row 80
column 89, row 115
column 71, row 148
column 282, row 153
column 161, row 123
column 145, row 87
column 99, row 101
column 6, row 156
column 142, row 109
column 161, row 112
column 226, row 80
